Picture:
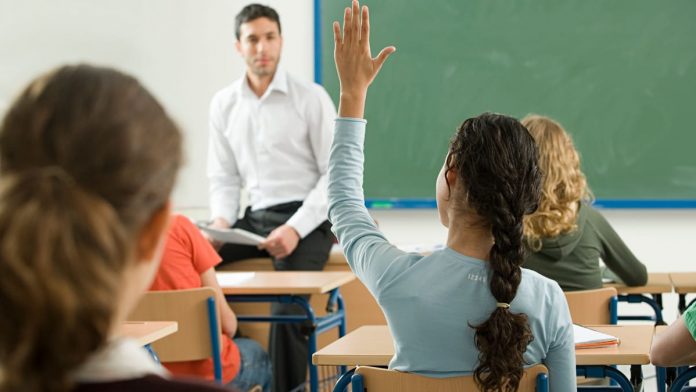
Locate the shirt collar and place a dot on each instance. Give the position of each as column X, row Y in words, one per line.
column 279, row 83
column 120, row 359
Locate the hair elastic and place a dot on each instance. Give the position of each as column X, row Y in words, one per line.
column 502, row 305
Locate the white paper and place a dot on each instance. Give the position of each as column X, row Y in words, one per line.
column 584, row 336
column 231, row 279
column 233, row 236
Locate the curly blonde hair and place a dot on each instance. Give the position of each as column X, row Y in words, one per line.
column 564, row 185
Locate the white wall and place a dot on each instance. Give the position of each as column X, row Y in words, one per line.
column 183, row 51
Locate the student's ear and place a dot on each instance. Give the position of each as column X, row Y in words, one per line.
column 238, row 46
column 152, row 232
column 452, row 177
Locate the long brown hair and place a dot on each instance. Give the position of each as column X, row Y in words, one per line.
column 495, row 159
column 87, row 157
column 564, row 185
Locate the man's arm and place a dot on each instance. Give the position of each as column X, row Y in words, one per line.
column 224, row 179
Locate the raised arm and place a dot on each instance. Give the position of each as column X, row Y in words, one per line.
column 368, row 252
column 354, row 63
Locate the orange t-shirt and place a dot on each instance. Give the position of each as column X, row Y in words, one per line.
column 187, row 254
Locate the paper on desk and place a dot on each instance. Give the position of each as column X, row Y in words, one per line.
column 229, row 279
column 232, row 236
column 589, row 338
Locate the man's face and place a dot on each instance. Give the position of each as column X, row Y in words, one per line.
column 260, row 44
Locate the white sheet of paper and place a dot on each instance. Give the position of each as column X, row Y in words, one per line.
column 588, row 336
column 233, row 236
column 229, row 279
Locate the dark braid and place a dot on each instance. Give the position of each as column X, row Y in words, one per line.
column 496, row 159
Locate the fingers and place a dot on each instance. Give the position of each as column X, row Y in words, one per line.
column 337, row 34
column 346, row 26
column 382, row 57
column 365, row 31
column 355, row 22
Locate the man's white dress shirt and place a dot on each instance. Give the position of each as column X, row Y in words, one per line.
column 276, row 146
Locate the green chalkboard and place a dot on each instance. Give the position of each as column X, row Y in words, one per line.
column 620, row 75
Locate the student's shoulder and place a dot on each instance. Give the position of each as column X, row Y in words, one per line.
column 151, row 383
column 534, row 281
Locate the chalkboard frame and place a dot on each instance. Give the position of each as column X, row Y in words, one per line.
column 429, row 203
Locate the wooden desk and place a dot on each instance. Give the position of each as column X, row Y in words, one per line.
column 372, row 346
column 684, row 283
column 287, row 282
column 658, row 283
column 146, row 332
column 292, row 287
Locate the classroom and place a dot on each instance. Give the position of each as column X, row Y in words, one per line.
column 183, row 52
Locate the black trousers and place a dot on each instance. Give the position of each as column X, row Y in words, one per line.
column 287, row 341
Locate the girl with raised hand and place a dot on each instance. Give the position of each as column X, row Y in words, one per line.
column 88, row 159
column 568, row 237
column 468, row 308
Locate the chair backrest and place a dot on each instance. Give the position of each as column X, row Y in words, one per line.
column 593, row 306
column 373, row 379
column 190, row 309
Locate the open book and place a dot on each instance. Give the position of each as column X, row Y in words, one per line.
column 589, row 338
column 233, row 236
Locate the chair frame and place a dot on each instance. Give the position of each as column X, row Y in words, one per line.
column 357, row 381
column 212, row 323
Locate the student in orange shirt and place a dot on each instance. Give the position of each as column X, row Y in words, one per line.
column 188, row 262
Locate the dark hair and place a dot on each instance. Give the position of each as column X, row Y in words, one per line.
column 495, row 159
column 252, row 12
column 87, row 158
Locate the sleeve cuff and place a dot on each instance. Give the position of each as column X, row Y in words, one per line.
column 351, row 119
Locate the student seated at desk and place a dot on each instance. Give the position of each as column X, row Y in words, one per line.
column 88, row 159
column 676, row 346
column 189, row 261
column 567, row 237
column 468, row 308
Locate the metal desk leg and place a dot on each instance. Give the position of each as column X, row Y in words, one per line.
column 652, row 302
column 152, row 352
column 602, row 371
column 683, row 379
column 343, row 381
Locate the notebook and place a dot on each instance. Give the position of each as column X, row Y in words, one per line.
column 233, row 236
column 589, row 338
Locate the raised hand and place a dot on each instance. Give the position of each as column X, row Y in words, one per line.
column 354, row 62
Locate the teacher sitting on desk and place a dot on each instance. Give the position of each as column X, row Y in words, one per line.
column 271, row 134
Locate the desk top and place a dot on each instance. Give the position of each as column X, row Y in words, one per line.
column 146, row 332
column 285, row 282
column 372, row 346
column 634, row 348
column 658, row 282
column 684, row 282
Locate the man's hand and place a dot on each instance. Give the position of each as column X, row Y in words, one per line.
column 218, row 223
column 354, row 63
column 281, row 242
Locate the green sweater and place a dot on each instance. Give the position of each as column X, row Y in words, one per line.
column 572, row 259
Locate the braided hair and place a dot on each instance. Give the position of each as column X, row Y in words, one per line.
column 495, row 158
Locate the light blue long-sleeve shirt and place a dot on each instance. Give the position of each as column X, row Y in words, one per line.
column 430, row 301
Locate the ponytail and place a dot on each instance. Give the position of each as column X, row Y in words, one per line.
column 496, row 160
column 62, row 251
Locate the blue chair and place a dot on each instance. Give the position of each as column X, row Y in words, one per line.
column 198, row 334
column 680, row 383
column 366, row 378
